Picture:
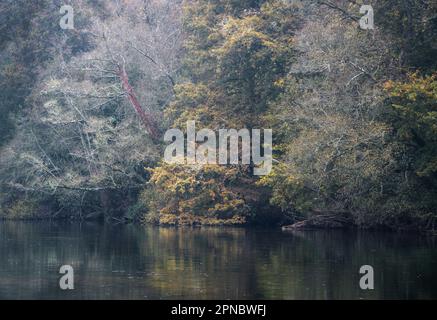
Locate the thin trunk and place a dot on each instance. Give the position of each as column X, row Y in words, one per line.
column 146, row 118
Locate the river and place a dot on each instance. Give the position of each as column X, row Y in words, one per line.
column 137, row 262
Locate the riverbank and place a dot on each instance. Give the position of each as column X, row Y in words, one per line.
column 321, row 222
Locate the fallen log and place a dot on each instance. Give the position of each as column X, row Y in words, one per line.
column 324, row 221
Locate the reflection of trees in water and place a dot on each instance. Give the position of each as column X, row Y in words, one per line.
column 134, row 262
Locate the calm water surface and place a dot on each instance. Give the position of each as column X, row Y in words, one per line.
column 135, row 262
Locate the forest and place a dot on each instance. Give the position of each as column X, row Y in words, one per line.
column 83, row 111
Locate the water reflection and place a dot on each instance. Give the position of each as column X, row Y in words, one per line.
column 134, row 262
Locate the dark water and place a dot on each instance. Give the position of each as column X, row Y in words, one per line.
column 134, row 262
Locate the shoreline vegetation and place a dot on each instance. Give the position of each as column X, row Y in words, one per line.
column 353, row 112
column 328, row 221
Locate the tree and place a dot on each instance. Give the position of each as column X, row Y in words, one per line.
column 84, row 141
column 30, row 38
column 235, row 54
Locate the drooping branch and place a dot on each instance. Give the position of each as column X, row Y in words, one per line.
column 49, row 190
column 339, row 9
column 148, row 57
